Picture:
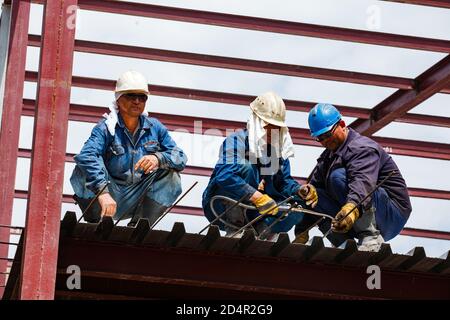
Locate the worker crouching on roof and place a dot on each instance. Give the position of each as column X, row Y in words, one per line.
column 133, row 155
column 349, row 169
column 254, row 165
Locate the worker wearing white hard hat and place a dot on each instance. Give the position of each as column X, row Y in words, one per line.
column 254, row 167
column 130, row 164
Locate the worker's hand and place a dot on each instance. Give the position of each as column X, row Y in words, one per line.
column 147, row 163
column 302, row 238
column 309, row 193
column 108, row 205
column 347, row 223
column 265, row 204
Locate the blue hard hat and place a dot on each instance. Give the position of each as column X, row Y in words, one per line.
column 322, row 118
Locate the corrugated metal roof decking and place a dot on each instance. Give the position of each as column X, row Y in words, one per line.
column 119, row 262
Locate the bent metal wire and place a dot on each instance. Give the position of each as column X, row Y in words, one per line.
column 285, row 209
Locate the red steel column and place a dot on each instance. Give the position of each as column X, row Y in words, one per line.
column 12, row 109
column 38, row 272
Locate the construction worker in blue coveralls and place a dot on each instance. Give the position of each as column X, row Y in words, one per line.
column 254, row 165
column 129, row 158
column 350, row 168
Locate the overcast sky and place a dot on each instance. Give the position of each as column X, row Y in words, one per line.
column 202, row 150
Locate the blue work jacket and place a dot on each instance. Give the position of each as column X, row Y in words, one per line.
column 235, row 176
column 118, row 154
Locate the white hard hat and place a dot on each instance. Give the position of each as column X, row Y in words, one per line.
column 270, row 108
column 132, row 81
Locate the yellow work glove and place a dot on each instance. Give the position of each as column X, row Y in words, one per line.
column 302, row 237
column 347, row 223
column 266, row 205
column 309, row 193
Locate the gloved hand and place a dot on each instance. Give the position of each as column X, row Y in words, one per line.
column 309, row 193
column 302, row 237
column 266, row 205
column 347, row 223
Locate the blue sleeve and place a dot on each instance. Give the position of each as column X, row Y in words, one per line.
column 289, row 186
column 229, row 167
column 90, row 159
column 362, row 173
column 170, row 155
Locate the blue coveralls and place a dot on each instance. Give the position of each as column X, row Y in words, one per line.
column 105, row 157
column 348, row 175
column 236, row 176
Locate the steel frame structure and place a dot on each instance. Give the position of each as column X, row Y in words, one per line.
column 55, row 80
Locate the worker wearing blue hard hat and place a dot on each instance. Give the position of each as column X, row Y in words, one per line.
column 346, row 172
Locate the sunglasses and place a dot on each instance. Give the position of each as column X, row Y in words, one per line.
column 132, row 96
column 327, row 134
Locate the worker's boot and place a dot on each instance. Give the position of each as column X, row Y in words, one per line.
column 370, row 243
column 367, row 232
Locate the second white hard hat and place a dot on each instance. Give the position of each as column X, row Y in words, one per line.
column 270, row 108
column 132, row 81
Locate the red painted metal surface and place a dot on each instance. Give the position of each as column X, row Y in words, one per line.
column 400, row 102
column 49, row 145
column 12, row 108
column 431, row 3
column 426, row 193
column 206, row 274
column 426, row 233
column 240, row 99
column 236, row 63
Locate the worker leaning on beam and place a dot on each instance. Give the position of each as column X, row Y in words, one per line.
column 133, row 154
column 350, row 168
column 254, row 163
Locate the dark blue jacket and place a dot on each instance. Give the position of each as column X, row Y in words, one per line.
column 119, row 153
column 366, row 164
column 230, row 172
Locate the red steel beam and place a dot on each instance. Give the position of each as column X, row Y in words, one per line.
column 431, row 3
column 239, row 64
column 196, row 211
column 206, row 172
column 236, row 63
column 241, row 99
column 301, row 136
column 38, row 273
column 204, row 272
column 222, row 127
column 264, row 24
column 425, row 233
column 400, row 102
column 10, row 121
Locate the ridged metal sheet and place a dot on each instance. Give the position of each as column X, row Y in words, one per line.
column 247, row 245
